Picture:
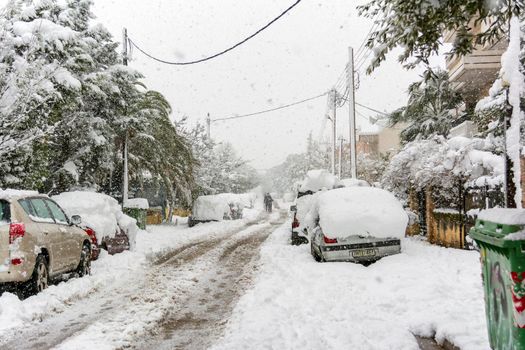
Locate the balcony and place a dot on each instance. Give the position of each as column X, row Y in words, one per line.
column 474, row 73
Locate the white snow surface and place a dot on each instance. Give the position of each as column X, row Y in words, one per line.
column 511, row 73
column 137, row 203
column 366, row 211
column 100, row 212
column 503, row 216
column 350, row 182
column 110, row 275
column 8, row 193
column 217, row 206
column 317, row 180
column 297, row 303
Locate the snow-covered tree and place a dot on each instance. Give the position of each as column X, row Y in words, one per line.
column 218, row 168
column 427, row 112
column 67, row 103
column 284, row 176
column 418, row 26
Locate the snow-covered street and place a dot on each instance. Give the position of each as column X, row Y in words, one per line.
column 213, row 286
column 179, row 281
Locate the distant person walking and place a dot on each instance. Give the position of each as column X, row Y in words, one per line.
column 268, row 200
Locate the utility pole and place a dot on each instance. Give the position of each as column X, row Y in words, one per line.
column 334, row 124
column 208, row 127
column 125, row 155
column 341, row 140
column 351, row 108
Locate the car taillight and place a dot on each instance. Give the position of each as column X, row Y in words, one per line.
column 329, row 240
column 16, row 230
column 295, row 223
column 91, row 235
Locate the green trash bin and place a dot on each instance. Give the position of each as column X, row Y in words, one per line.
column 501, row 239
column 137, row 208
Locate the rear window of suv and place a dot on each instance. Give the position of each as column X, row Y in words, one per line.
column 5, row 212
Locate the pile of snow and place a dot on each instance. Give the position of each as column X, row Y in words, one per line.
column 137, row 203
column 354, row 182
column 503, row 216
column 8, row 193
column 296, row 303
column 317, row 180
column 100, row 212
column 366, row 211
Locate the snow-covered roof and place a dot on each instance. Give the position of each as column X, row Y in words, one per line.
column 216, row 206
column 503, row 216
column 354, row 182
column 367, row 211
column 137, row 203
column 8, row 193
column 99, row 212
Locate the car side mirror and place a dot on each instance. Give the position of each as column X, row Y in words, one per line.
column 76, row 220
column 293, row 208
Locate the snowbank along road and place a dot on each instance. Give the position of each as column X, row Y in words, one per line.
column 178, row 300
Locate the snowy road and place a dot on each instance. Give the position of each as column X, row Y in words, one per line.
column 178, row 299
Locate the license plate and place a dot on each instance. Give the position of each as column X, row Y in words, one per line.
column 363, row 253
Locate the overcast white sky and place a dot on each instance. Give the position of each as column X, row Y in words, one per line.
column 300, row 56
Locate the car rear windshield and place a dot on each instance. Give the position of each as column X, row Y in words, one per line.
column 5, row 212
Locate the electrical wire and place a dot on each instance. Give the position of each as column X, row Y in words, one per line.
column 219, row 53
column 272, row 109
column 371, row 109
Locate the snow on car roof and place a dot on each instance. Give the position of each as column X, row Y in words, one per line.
column 349, row 182
column 504, row 216
column 9, row 193
column 211, row 207
column 98, row 211
column 317, row 180
column 137, row 203
column 367, row 211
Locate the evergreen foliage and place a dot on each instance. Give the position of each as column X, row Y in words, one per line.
column 417, row 26
column 427, row 112
column 67, row 103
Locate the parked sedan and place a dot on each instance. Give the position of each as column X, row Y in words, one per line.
column 38, row 241
column 359, row 224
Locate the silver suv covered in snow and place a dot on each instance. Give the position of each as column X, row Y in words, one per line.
column 38, row 241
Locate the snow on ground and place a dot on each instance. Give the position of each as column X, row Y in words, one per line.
column 108, row 272
column 297, row 303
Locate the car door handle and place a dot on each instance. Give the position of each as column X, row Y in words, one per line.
column 45, row 232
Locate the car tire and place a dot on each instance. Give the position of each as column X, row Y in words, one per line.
column 84, row 266
column 314, row 253
column 40, row 277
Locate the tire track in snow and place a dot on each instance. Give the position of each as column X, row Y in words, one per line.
column 101, row 306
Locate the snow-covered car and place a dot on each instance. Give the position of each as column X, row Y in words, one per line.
column 350, row 182
column 38, row 241
column 102, row 219
column 217, row 207
column 359, row 224
column 315, row 181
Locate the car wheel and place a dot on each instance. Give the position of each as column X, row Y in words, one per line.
column 314, row 253
column 40, row 278
column 84, row 267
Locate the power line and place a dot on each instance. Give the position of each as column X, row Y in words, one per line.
column 221, row 52
column 270, row 110
column 371, row 109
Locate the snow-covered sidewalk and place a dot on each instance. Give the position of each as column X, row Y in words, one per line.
column 297, row 303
